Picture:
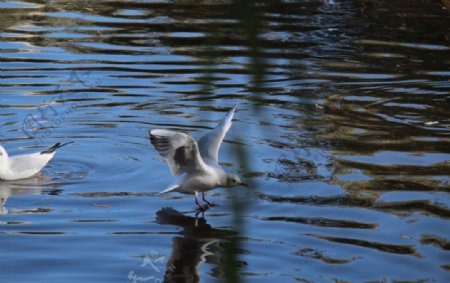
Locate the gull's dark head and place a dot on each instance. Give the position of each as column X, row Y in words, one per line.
column 233, row 181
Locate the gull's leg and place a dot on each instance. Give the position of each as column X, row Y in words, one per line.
column 211, row 204
column 196, row 216
column 200, row 207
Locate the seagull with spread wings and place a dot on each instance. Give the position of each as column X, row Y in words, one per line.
column 195, row 166
column 25, row 165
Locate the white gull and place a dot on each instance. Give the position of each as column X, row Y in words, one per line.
column 25, row 165
column 195, row 166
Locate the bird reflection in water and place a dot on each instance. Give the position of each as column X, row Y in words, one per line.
column 34, row 185
column 198, row 242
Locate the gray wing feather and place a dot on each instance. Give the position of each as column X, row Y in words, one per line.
column 180, row 151
column 209, row 144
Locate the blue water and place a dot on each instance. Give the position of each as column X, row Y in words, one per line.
column 342, row 133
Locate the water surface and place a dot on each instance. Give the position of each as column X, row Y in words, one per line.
column 342, row 132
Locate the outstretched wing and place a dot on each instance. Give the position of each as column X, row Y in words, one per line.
column 180, row 151
column 210, row 143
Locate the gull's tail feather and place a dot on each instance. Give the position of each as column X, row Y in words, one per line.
column 169, row 189
column 174, row 186
column 55, row 147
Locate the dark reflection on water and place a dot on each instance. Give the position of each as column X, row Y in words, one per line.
column 343, row 131
column 198, row 242
column 35, row 186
